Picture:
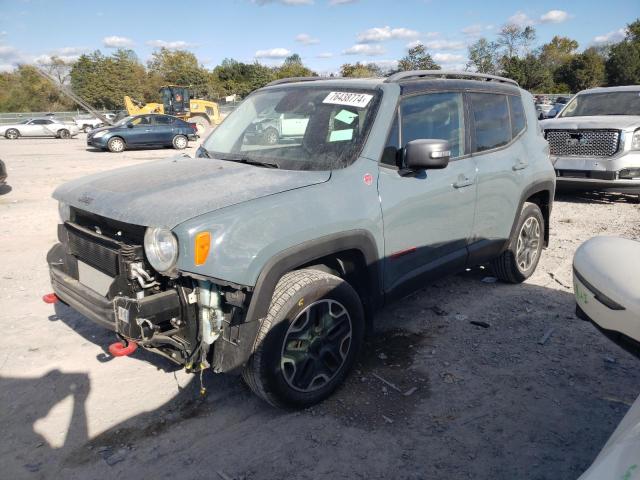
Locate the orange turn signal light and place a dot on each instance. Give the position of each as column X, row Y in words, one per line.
column 201, row 247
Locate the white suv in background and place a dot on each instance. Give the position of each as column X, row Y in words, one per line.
column 595, row 140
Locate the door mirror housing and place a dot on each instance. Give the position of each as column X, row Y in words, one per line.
column 429, row 154
column 129, row 125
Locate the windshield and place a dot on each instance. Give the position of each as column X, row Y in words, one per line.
column 297, row 128
column 606, row 103
column 124, row 120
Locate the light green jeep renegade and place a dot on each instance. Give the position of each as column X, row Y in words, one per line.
column 307, row 209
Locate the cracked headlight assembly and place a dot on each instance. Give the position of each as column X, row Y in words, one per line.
column 100, row 134
column 161, row 248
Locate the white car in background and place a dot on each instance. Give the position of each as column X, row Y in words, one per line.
column 606, row 282
column 39, row 127
column 88, row 123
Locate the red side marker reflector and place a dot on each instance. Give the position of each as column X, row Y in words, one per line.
column 50, row 298
column 401, row 253
column 368, row 179
column 119, row 349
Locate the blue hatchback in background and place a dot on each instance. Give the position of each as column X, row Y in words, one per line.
column 144, row 131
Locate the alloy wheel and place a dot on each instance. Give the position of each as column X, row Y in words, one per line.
column 316, row 345
column 528, row 245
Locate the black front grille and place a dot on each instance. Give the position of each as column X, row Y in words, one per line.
column 93, row 252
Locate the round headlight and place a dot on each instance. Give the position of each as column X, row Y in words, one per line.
column 100, row 134
column 161, row 247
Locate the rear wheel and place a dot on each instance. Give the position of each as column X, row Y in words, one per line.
column 116, row 145
column 12, row 134
column 521, row 258
column 309, row 340
column 64, row 133
column 180, row 142
column 271, row 136
column 87, row 128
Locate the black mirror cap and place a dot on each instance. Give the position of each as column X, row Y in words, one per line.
column 427, row 154
column 129, row 125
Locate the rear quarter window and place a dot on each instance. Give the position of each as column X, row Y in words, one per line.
column 518, row 120
column 491, row 118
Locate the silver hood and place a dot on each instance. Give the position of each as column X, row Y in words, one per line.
column 168, row 192
column 615, row 122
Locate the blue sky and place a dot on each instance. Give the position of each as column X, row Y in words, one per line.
column 326, row 33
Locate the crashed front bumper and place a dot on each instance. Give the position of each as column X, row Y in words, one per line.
column 595, row 173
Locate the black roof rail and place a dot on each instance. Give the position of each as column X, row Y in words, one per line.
column 417, row 74
column 296, row 79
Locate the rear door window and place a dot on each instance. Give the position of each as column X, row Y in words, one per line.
column 518, row 121
column 491, row 117
column 437, row 116
column 163, row 120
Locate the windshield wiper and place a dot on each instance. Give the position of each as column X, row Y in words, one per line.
column 250, row 161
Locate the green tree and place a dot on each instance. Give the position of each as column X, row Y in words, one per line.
column 293, row 67
column 23, row 90
column 585, row 70
column 179, row 67
column 483, row 57
column 530, row 73
column 623, row 64
column 417, row 59
column 558, row 52
column 515, row 40
column 360, row 70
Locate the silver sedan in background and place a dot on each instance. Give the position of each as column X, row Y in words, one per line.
column 39, row 127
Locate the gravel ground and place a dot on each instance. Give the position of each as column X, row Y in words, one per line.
column 433, row 396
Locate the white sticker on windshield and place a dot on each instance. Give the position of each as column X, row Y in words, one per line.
column 358, row 100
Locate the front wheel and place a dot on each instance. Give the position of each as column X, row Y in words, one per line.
column 309, row 340
column 64, row 133
column 87, row 128
column 116, row 145
column 12, row 134
column 180, row 142
column 271, row 136
column 521, row 258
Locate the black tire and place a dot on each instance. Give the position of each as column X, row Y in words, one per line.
column 63, row 133
column 271, row 136
column 180, row 142
column 511, row 268
column 12, row 134
column 116, row 145
column 87, row 128
column 299, row 292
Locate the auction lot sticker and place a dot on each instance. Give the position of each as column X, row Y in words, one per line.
column 358, row 100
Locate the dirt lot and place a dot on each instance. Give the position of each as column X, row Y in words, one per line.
column 462, row 401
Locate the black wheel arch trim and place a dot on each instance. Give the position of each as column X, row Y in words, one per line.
column 547, row 186
column 305, row 253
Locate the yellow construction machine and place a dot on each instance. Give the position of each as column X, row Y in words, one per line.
column 177, row 101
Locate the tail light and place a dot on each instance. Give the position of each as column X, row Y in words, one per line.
column 194, row 127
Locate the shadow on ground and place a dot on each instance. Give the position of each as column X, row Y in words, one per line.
column 433, row 396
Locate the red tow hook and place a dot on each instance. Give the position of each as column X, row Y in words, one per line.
column 50, row 298
column 120, row 349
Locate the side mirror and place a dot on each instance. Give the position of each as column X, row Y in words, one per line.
column 129, row 125
column 427, row 154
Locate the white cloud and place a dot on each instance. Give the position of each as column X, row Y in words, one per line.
column 448, row 58
column 613, row 36
column 413, row 44
column 385, row 64
column 555, row 16
column 341, row 2
column 324, row 55
column 445, row 45
column 306, row 39
column 365, row 49
column 521, row 19
column 174, row 45
column 115, row 41
column 273, row 53
column 379, row 34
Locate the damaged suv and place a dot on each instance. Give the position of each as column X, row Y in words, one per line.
column 271, row 259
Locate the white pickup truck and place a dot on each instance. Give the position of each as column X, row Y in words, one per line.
column 87, row 123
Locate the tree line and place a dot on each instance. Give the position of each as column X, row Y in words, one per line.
column 104, row 80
